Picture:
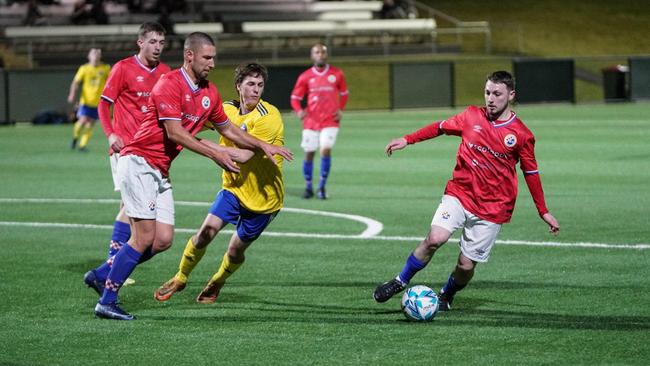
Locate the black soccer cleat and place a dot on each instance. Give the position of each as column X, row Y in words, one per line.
column 321, row 194
column 309, row 193
column 90, row 279
column 388, row 289
column 444, row 302
column 73, row 144
column 112, row 311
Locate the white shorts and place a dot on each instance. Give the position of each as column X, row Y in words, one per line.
column 113, row 160
column 325, row 138
column 478, row 236
column 145, row 192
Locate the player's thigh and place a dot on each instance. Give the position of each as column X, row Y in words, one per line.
column 449, row 215
column 478, row 238
column 328, row 137
column 310, row 140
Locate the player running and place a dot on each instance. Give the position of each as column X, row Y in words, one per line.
column 481, row 195
column 92, row 78
column 327, row 95
column 249, row 200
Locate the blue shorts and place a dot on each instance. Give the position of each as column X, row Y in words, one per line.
column 90, row 112
column 249, row 224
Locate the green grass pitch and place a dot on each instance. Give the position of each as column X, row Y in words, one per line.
column 304, row 295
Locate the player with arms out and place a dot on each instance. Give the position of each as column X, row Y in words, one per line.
column 481, row 195
column 327, row 94
column 249, row 200
column 92, row 78
column 127, row 90
column 181, row 102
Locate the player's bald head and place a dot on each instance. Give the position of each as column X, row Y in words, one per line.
column 319, row 54
column 319, row 46
column 196, row 40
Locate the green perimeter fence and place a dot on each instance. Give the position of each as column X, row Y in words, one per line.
column 25, row 94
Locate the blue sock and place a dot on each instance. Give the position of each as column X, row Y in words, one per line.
column 325, row 164
column 411, row 267
column 148, row 254
column 451, row 287
column 121, row 235
column 124, row 263
column 308, row 172
column 101, row 272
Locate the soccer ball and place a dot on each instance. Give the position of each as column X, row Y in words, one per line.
column 419, row 303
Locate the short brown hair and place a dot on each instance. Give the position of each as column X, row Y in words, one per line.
column 250, row 69
column 502, row 77
column 147, row 27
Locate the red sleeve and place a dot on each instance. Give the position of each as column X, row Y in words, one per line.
column 425, row 133
column 166, row 96
column 298, row 92
column 454, row 125
column 343, row 92
column 104, row 110
column 114, row 84
column 534, row 183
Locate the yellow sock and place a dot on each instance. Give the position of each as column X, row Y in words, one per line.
column 86, row 133
column 226, row 270
column 191, row 257
column 76, row 130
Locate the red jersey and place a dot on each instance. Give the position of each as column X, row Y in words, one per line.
column 326, row 94
column 485, row 176
column 128, row 87
column 174, row 97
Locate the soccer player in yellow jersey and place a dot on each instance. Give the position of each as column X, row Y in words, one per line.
column 92, row 78
column 249, row 199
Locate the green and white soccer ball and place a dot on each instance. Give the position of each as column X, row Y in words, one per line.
column 420, row 303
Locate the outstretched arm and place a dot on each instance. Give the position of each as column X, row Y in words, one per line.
column 179, row 135
column 246, row 141
column 425, row 133
column 237, row 155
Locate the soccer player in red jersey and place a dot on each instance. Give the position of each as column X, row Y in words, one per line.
column 327, row 95
column 481, row 195
column 181, row 102
column 127, row 91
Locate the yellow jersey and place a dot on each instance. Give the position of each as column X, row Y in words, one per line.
column 259, row 185
column 92, row 79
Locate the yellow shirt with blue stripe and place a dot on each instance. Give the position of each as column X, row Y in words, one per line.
column 92, row 79
column 259, row 185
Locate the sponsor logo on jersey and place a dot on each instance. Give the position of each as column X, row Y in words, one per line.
column 143, row 94
column 205, row 102
column 191, row 117
column 510, row 140
column 484, row 149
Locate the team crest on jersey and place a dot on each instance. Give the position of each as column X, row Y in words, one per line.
column 331, row 79
column 510, row 140
column 139, row 78
column 143, row 109
column 446, row 215
column 243, row 127
column 205, row 102
column 152, row 206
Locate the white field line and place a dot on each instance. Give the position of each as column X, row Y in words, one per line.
column 373, row 227
column 337, row 236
